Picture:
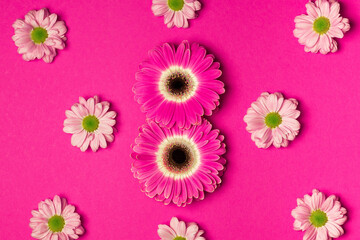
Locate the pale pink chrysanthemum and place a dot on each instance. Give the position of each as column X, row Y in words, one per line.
column 55, row 220
column 91, row 124
column 176, row 12
column 179, row 230
column 321, row 218
column 178, row 86
column 271, row 119
column 318, row 29
column 39, row 35
column 178, row 165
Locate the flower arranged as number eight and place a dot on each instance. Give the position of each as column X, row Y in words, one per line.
column 178, row 86
column 178, row 165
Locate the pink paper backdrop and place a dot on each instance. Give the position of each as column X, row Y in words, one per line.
column 106, row 41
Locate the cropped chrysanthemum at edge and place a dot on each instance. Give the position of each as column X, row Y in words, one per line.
column 272, row 120
column 55, row 220
column 178, row 165
column 91, row 123
column 320, row 26
column 179, row 230
column 176, row 12
column 39, row 35
column 178, row 86
column 321, row 218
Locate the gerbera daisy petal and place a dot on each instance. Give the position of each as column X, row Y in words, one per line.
column 91, row 124
column 272, row 120
column 323, row 23
column 317, row 216
column 175, row 164
column 186, row 86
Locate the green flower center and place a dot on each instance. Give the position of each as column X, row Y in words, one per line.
column 176, row 5
column 318, row 218
column 90, row 123
column 39, row 35
column 321, row 25
column 273, row 119
column 56, row 223
column 179, row 238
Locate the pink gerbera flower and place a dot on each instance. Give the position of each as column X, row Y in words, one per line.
column 55, row 220
column 179, row 231
column 39, row 35
column 321, row 218
column 176, row 12
column 178, row 165
column 318, row 29
column 91, row 123
column 271, row 119
column 177, row 87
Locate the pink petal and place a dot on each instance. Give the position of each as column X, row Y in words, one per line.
column 179, row 19
column 168, row 17
column 312, row 10
column 77, row 139
column 95, row 143
column 325, row 9
column 334, row 229
column 321, row 233
column 312, row 39
column 188, row 12
column 159, row 9
column 166, row 233
column 174, row 222
column 57, row 204
column 310, row 234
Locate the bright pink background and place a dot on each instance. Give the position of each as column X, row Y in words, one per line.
column 107, row 40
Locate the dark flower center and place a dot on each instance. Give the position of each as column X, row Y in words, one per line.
column 177, row 84
column 178, row 158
